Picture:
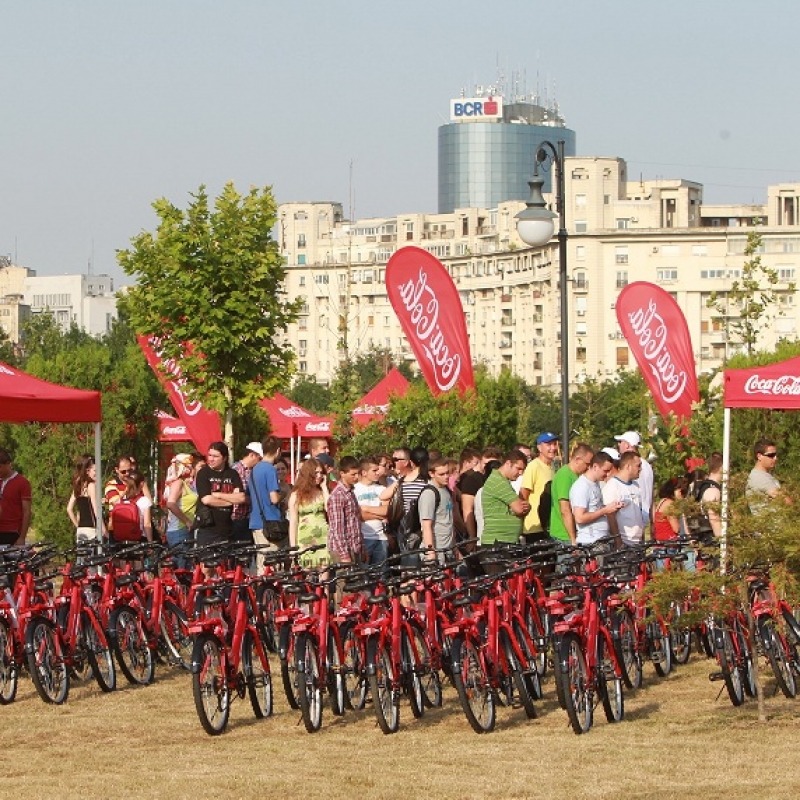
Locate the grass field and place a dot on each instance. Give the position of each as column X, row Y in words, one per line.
column 678, row 739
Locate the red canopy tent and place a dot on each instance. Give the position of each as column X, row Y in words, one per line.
column 375, row 403
column 24, row 398
column 171, row 429
column 774, row 386
column 288, row 420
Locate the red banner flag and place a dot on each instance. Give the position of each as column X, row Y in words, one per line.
column 656, row 331
column 427, row 304
column 202, row 425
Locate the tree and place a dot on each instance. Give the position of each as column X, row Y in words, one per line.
column 210, row 289
column 752, row 299
column 308, row 393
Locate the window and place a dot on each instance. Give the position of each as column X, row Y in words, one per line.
column 302, row 366
column 580, row 253
column 786, row 273
column 301, row 260
column 606, row 199
column 622, row 356
column 580, row 226
column 622, row 223
column 621, row 255
column 302, row 280
column 580, row 329
column 302, row 323
column 580, row 354
column 580, row 281
column 622, row 279
column 580, row 200
column 667, row 275
column 699, row 250
column 301, row 240
column 581, row 305
column 321, row 279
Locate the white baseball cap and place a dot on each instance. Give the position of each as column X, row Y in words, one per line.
column 631, row 437
column 255, row 447
column 612, row 452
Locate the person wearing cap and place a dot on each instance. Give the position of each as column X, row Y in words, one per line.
column 631, row 441
column 181, row 505
column 629, row 521
column 240, row 517
column 536, row 476
column 613, row 454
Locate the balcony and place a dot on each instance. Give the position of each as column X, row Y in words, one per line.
column 580, row 285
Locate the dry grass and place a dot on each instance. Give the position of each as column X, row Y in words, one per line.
column 678, row 740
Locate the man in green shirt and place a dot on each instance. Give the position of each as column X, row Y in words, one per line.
column 562, row 521
column 503, row 509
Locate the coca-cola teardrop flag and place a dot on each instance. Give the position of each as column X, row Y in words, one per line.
column 656, row 331
column 202, row 425
column 427, row 304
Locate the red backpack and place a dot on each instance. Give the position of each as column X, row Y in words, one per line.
column 125, row 523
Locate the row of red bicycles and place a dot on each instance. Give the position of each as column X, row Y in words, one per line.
column 346, row 638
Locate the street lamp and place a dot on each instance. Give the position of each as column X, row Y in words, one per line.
column 535, row 227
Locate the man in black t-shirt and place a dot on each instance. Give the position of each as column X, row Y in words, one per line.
column 220, row 488
column 470, row 482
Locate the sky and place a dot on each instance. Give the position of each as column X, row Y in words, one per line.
column 107, row 105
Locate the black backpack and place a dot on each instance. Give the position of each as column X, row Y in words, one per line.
column 545, row 505
column 698, row 525
column 409, row 531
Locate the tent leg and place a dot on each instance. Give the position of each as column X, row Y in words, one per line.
column 726, row 455
column 98, row 484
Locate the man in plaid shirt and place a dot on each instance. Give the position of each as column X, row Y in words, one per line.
column 345, row 542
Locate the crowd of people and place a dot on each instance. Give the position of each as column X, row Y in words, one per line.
column 361, row 510
column 364, row 509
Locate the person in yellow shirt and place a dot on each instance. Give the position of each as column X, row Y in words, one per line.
column 538, row 472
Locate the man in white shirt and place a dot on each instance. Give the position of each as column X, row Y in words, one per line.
column 628, row 522
column 631, row 441
column 586, row 498
column 373, row 511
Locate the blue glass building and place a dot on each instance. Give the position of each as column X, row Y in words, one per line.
column 484, row 163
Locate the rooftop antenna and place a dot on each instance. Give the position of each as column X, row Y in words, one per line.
column 351, row 194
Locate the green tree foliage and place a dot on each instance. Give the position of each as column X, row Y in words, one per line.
column 309, row 394
column 213, row 277
column 747, row 307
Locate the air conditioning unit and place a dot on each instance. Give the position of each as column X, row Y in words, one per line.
column 655, row 249
column 613, row 306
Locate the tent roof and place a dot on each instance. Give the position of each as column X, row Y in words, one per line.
column 24, row 398
column 287, row 419
column 171, row 429
column 375, row 403
column 770, row 386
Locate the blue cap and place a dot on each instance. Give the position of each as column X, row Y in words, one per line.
column 544, row 438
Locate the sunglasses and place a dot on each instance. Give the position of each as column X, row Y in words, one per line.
column 124, row 471
column 395, row 460
column 770, row 455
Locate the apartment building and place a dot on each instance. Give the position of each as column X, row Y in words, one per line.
column 620, row 231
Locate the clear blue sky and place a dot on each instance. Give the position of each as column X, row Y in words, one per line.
column 109, row 104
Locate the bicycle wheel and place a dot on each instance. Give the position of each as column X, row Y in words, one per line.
column 411, row 680
column 745, row 660
column 536, row 623
column 623, row 631
column 430, row 681
column 8, row 666
column 520, row 687
column 98, row 652
column 731, row 674
column 80, row 669
column 355, row 679
column 776, row 651
column 530, row 672
column 472, row 685
column 335, row 678
column 175, row 635
column 130, row 646
column 575, row 683
column 289, row 666
column 609, row 685
column 381, row 679
column 680, row 637
column 257, row 677
column 268, row 601
column 792, row 638
column 212, row 697
column 45, row 661
column 660, row 649
column 309, row 691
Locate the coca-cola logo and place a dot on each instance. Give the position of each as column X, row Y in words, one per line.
column 318, row 427
column 176, row 381
column 6, row 371
column 652, row 334
column 782, row 385
column 294, row 412
column 423, row 307
column 174, row 430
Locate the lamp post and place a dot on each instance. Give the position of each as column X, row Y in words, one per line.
column 535, row 227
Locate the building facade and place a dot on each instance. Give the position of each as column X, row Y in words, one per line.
column 620, row 231
column 487, row 150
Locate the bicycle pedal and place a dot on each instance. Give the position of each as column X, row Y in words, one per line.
column 716, row 676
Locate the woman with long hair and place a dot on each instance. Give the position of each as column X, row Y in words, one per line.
column 82, row 503
column 307, row 522
column 181, row 505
